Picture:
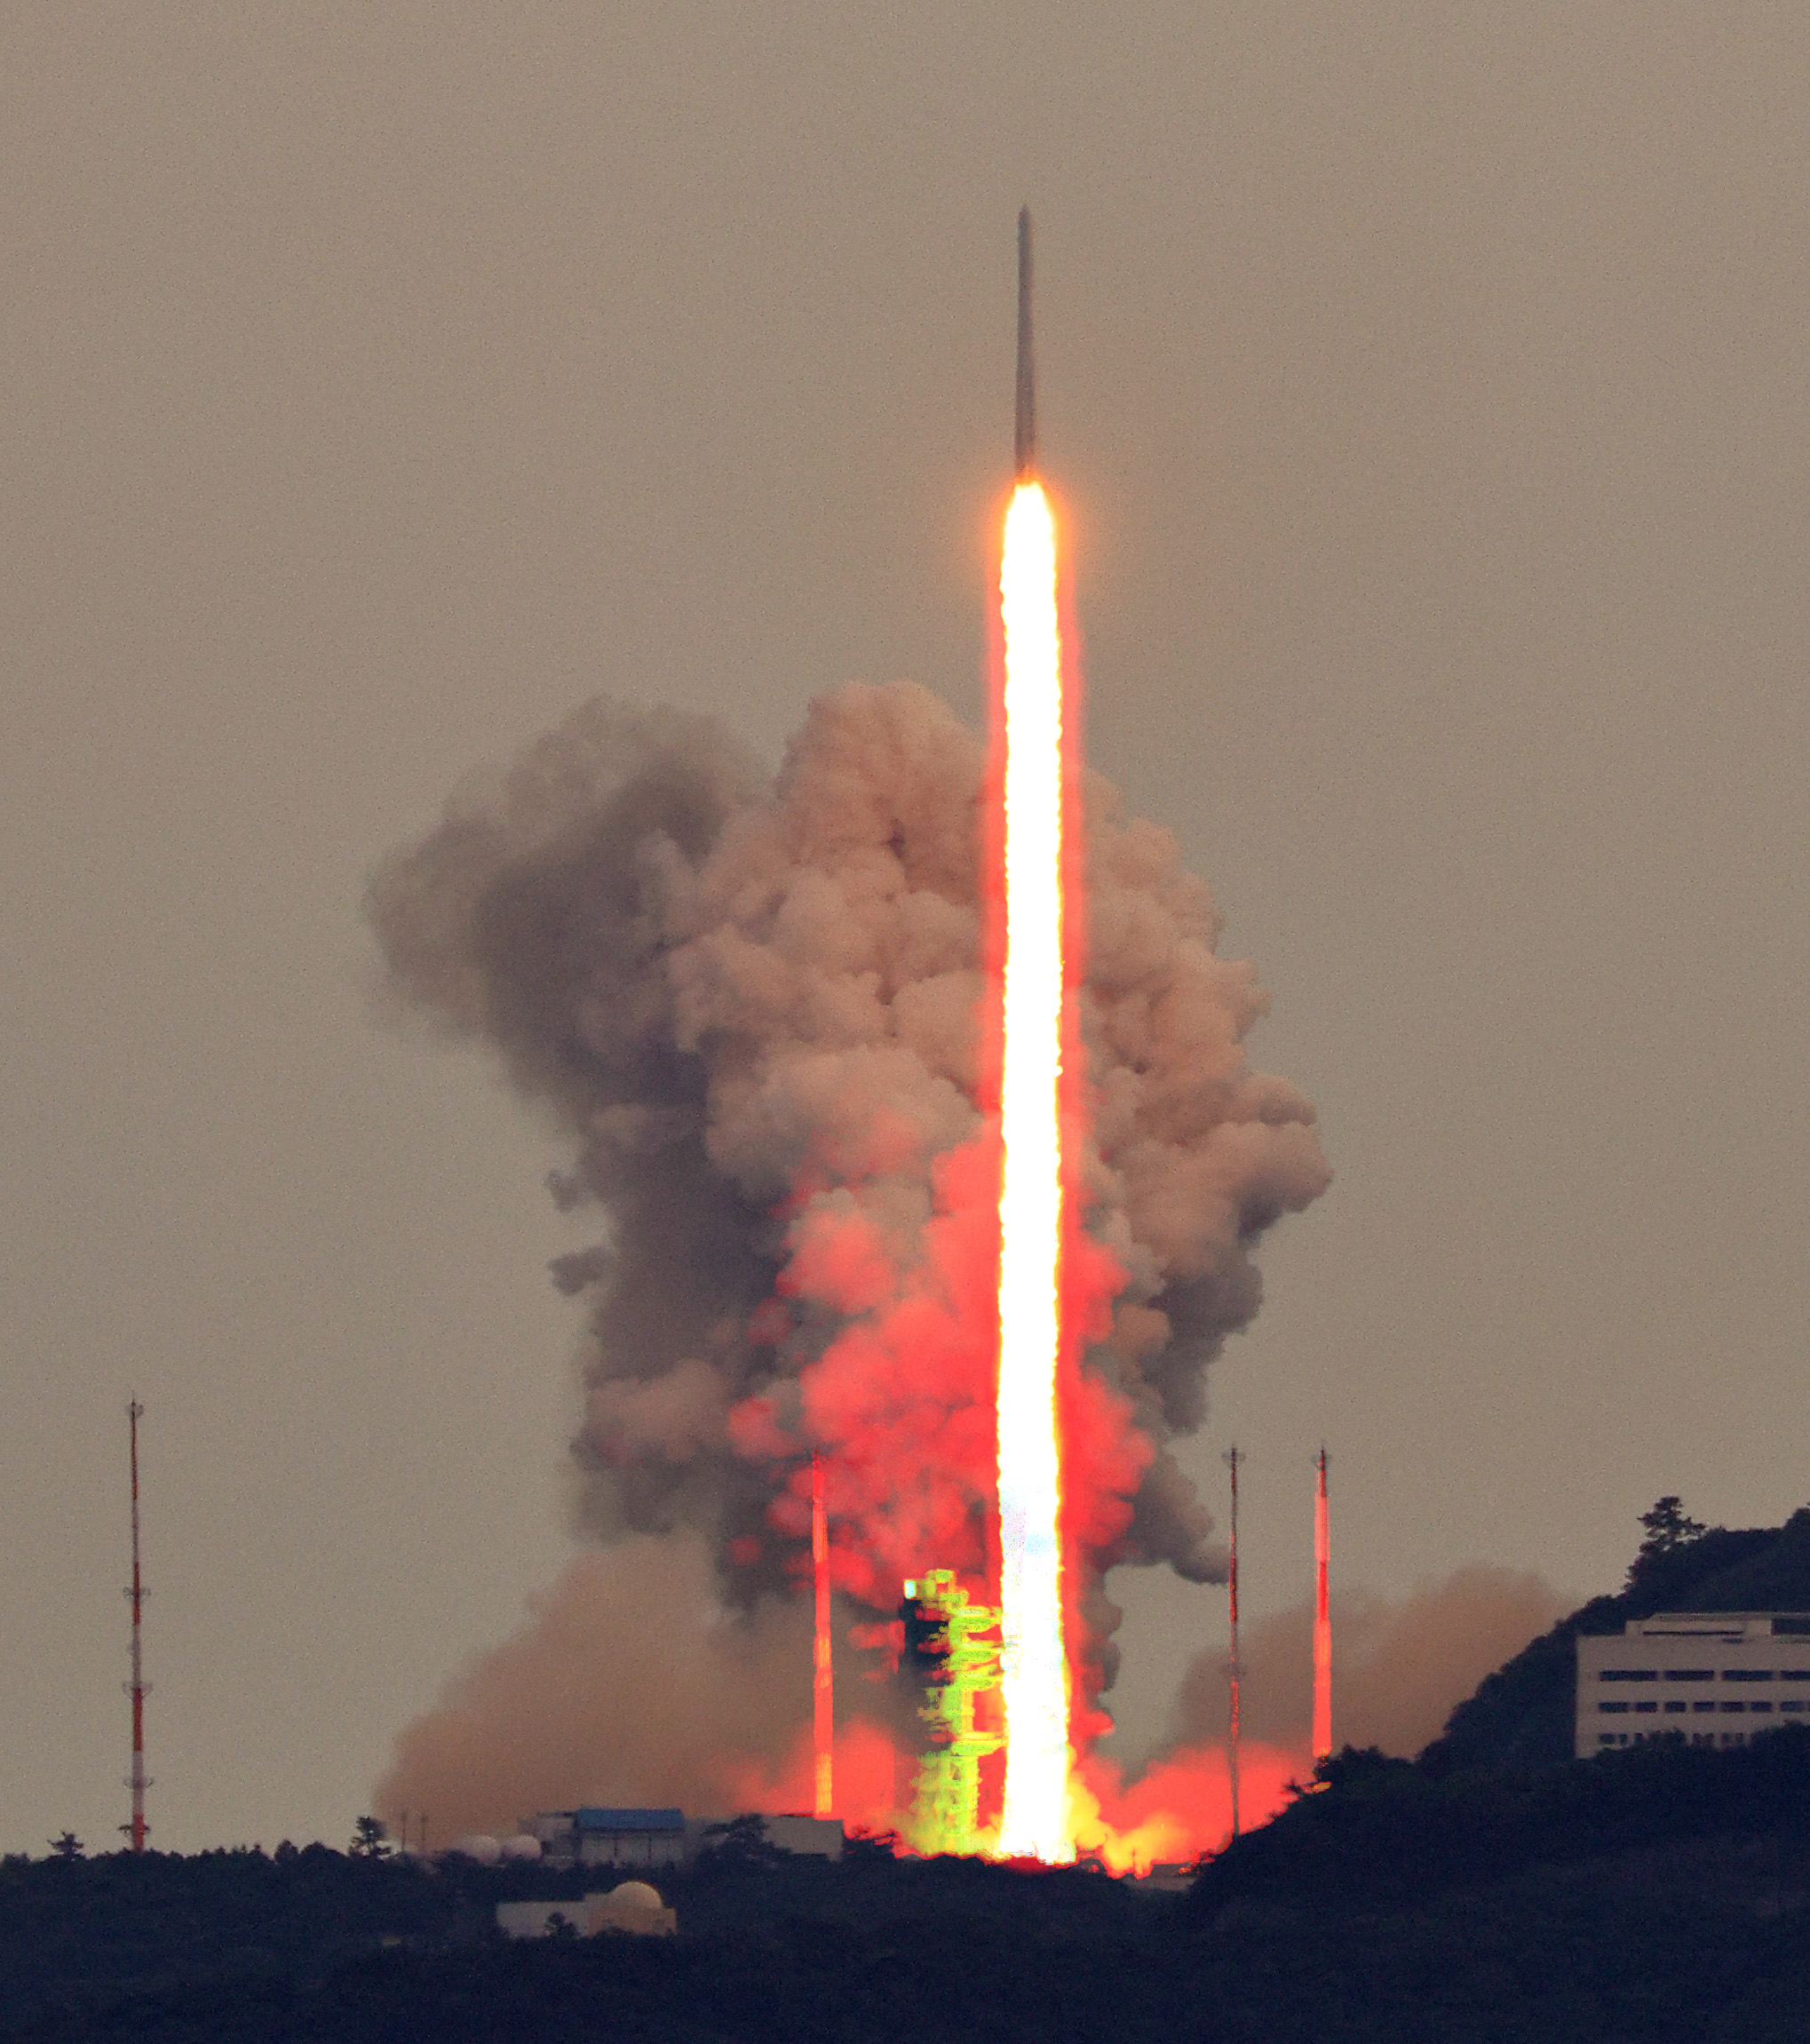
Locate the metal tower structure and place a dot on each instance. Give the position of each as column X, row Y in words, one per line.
column 822, row 1677
column 945, row 1812
column 1232, row 1459
column 137, row 1781
column 1322, row 1625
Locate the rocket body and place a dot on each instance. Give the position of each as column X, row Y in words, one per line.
column 1025, row 433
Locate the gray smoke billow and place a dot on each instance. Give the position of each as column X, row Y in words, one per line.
column 750, row 999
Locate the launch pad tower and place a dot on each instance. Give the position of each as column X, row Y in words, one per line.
column 963, row 1665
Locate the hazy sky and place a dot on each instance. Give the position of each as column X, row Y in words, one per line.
column 1427, row 385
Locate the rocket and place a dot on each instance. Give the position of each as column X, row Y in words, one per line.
column 1025, row 433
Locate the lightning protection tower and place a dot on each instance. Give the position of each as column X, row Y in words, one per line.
column 823, row 1676
column 1322, row 1623
column 136, row 1688
column 1232, row 1459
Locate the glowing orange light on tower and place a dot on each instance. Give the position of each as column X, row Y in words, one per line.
column 1034, row 1683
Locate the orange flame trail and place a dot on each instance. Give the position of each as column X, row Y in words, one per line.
column 1034, row 1683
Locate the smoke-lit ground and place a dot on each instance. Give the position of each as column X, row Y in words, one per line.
column 752, row 1002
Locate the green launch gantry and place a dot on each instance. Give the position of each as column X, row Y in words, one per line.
column 945, row 1815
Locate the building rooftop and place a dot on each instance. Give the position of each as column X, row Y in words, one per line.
column 598, row 1819
column 1718, row 1625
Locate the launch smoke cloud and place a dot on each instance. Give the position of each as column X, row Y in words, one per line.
column 751, row 1002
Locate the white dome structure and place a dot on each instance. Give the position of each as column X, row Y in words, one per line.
column 635, row 1895
column 632, row 1908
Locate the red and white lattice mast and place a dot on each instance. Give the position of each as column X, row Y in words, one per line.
column 1232, row 1459
column 137, row 1781
column 823, row 1693
column 1322, row 1625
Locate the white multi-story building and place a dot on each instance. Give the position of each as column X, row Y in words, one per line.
column 1702, row 1678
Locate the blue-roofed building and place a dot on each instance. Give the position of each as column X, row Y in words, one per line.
column 594, row 1836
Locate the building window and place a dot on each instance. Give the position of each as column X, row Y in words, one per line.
column 1676, row 1709
column 1628, row 1675
column 1701, row 1707
column 1794, row 1675
column 1728, row 1706
column 1792, row 1703
column 1609, row 1710
column 1747, row 1674
column 1690, row 1674
column 1767, row 1707
column 1647, row 1709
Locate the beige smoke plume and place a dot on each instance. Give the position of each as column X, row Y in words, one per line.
column 1400, row 1667
column 752, row 1005
column 626, row 1684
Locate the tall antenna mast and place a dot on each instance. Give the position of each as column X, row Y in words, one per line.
column 1322, row 1626
column 1232, row 1459
column 821, row 1677
column 136, row 1781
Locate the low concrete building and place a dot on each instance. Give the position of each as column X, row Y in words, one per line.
column 542, row 1919
column 1698, row 1678
column 812, row 1837
column 593, row 1836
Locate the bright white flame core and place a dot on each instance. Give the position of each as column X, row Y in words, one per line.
column 1035, row 1682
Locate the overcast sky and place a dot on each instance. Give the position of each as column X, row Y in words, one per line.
column 1427, row 388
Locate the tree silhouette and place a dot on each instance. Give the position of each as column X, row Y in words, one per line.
column 368, row 1839
column 67, row 1846
column 1670, row 1529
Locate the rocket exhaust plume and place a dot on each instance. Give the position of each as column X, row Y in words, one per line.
column 1322, row 1624
column 1036, row 1678
column 773, row 1012
column 1034, row 1667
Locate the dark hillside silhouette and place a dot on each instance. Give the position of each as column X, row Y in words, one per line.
column 1522, row 1716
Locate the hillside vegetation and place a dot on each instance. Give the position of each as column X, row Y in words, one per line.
column 1657, row 1894
column 1522, row 1715
column 1494, row 1892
